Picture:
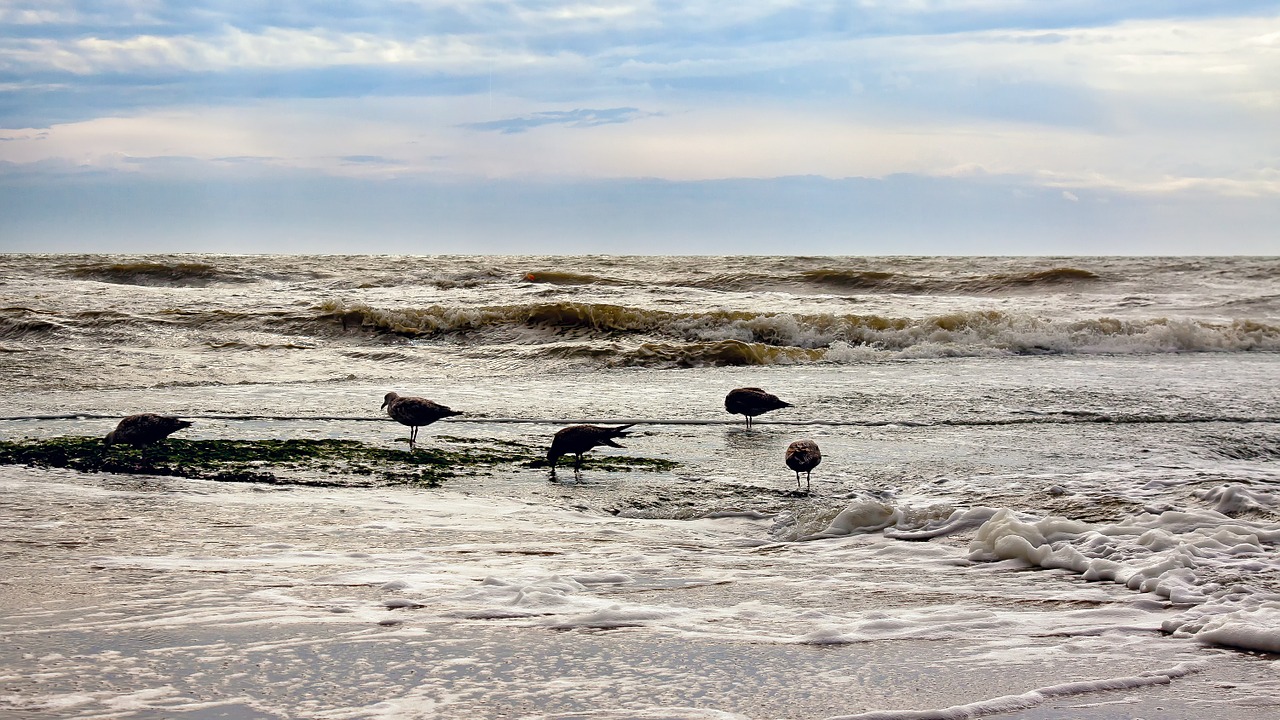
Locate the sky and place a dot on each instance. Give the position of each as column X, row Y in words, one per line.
column 864, row 127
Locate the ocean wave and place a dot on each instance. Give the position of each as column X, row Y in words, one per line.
column 834, row 280
column 556, row 277
column 863, row 281
column 686, row 355
column 168, row 274
column 1053, row 276
column 402, row 277
column 238, row 345
column 671, row 336
column 1244, row 447
column 860, row 280
column 19, row 322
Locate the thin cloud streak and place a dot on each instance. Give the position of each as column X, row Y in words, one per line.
column 576, row 118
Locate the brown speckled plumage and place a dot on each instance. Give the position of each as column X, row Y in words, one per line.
column 578, row 439
column 415, row 412
column 752, row 401
column 803, row 456
column 144, row 429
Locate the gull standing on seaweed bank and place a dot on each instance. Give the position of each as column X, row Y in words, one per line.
column 415, row 412
column 803, row 456
column 578, row 439
column 144, row 429
column 752, row 401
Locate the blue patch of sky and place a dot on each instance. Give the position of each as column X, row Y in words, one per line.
column 406, row 20
column 52, row 98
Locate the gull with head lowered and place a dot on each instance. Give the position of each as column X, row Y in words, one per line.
column 578, row 439
column 144, row 429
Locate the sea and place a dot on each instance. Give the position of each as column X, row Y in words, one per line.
column 1050, row 488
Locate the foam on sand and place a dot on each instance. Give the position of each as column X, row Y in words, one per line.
column 1226, row 567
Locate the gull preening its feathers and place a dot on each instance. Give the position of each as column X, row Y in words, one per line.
column 752, row 401
column 803, row 456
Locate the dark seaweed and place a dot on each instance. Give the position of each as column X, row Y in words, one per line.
column 297, row 462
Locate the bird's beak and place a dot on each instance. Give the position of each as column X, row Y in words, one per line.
column 384, row 404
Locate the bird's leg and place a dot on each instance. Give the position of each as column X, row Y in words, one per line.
column 808, row 486
column 413, row 437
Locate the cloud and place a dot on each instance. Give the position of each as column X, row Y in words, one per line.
column 578, row 118
column 234, row 49
column 369, row 160
column 1081, row 99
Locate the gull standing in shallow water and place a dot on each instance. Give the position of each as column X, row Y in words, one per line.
column 803, row 456
column 578, row 439
column 414, row 412
column 144, row 429
column 751, row 401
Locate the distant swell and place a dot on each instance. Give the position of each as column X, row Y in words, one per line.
column 859, row 280
column 840, row 280
column 175, row 274
column 570, row 278
column 1056, row 276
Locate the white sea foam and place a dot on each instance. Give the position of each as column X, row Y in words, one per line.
column 1203, row 558
column 1032, row 698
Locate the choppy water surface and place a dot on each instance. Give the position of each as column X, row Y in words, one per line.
column 1048, row 489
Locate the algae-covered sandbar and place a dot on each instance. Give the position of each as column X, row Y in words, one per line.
column 324, row 462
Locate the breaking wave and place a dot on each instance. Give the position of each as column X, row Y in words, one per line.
column 685, row 355
column 635, row 336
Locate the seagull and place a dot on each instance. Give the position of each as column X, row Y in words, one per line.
column 803, row 456
column 144, row 429
column 752, row 401
column 578, row 439
column 414, row 412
